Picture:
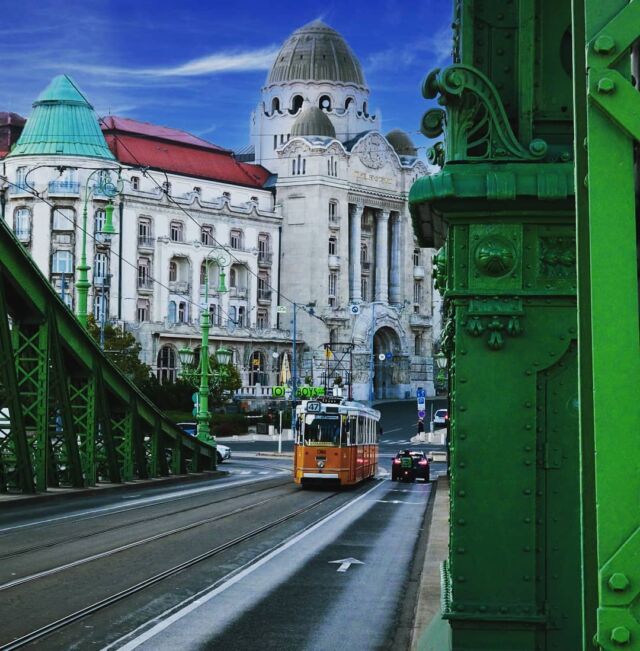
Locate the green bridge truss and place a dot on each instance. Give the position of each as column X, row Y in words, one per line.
column 535, row 213
column 68, row 416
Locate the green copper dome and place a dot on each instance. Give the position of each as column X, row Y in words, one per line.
column 312, row 121
column 63, row 123
column 316, row 52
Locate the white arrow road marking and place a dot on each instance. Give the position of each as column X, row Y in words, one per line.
column 346, row 563
column 398, row 502
column 383, row 472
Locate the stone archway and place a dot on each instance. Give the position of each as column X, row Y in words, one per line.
column 386, row 340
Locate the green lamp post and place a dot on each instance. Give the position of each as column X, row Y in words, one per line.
column 202, row 377
column 103, row 186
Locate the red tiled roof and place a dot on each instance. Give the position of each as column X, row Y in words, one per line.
column 141, row 143
column 127, row 125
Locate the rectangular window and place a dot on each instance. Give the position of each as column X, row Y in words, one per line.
column 333, row 246
column 135, row 183
column 333, row 211
column 145, row 237
column 364, row 288
column 416, row 257
column 21, row 178
column 144, row 273
column 275, row 142
column 176, row 231
column 417, row 292
column 264, row 291
column 62, row 262
column 143, row 311
column 333, row 285
column 206, row 235
column 262, row 319
column 63, row 219
column 235, row 239
column 22, row 224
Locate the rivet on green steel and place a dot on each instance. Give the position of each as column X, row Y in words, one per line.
column 538, row 147
column 606, row 85
column 618, row 582
column 604, row 44
column 621, row 635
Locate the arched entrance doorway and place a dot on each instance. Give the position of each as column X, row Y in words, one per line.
column 385, row 342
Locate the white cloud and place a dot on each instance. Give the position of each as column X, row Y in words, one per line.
column 219, row 62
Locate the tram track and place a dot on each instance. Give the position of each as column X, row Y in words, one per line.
column 121, row 595
column 132, row 545
column 125, row 525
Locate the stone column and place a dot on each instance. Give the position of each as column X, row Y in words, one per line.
column 355, row 241
column 396, row 244
column 382, row 264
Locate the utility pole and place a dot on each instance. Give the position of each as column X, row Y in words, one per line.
column 371, row 359
column 294, row 372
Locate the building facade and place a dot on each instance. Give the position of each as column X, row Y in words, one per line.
column 313, row 213
column 348, row 249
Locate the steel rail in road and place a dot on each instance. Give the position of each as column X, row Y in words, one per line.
column 132, row 545
column 55, row 543
column 61, row 623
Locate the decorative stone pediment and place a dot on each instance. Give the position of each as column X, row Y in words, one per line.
column 375, row 152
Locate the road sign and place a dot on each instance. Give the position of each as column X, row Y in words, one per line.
column 421, row 413
column 389, row 355
column 382, row 357
column 354, row 309
column 281, row 309
column 420, row 392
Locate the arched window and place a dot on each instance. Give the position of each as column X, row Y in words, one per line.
column 299, row 164
column 63, row 218
column 173, row 271
column 335, row 168
column 235, row 239
column 242, row 312
column 233, row 277
column 416, row 257
column 304, row 165
column 325, row 103
column 296, row 103
column 364, row 109
column 183, row 313
column 233, row 314
column 171, row 316
column 349, row 101
column 62, row 262
column 166, row 364
column 275, row 105
column 206, row 235
column 293, row 166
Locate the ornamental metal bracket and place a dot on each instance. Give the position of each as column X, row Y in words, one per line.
column 475, row 124
column 499, row 317
column 611, row 91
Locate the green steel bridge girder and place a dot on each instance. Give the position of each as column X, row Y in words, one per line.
column 532, row 212
column 68, row 417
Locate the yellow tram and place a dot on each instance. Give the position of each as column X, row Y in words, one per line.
column 336, row 442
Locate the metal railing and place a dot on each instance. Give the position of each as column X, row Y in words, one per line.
column 146, row 241
column 64, row 187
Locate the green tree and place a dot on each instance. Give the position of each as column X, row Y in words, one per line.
column 123, row 350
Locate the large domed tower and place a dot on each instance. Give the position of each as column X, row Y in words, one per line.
column 314, row 68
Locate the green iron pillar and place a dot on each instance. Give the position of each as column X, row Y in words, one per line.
column 502, row 211
column 606, row 60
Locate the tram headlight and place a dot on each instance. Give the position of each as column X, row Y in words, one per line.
column 320, row 461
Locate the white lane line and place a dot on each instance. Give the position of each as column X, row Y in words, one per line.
column 396, row 429
column 133, row 505
column 207, row 596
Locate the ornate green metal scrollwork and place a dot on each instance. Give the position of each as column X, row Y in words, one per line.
column 477, row 124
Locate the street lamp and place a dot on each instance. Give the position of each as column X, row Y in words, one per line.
column 203, row 376
column 441, row 362
column 105, row 187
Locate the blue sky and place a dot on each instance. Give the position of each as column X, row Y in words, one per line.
column 199, row 66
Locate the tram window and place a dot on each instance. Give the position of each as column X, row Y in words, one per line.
column 324, row 430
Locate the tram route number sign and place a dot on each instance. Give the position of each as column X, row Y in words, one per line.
column 314, row 407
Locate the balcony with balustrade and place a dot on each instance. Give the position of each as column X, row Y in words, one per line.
column 64, row 188
column 264, row 296
column 146, row 242
column 265, row 258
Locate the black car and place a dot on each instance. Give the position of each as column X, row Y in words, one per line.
column 410, row 465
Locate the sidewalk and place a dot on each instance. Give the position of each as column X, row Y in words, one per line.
column 428, row 606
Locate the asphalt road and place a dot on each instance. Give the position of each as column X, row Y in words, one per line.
column 248, row 559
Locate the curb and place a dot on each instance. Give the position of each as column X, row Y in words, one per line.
column 65, row 494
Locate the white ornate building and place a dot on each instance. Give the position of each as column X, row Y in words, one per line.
column 347, row 242
column 313, row 212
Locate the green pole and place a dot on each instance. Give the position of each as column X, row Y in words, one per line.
column 83, row 284
column 202, row 418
